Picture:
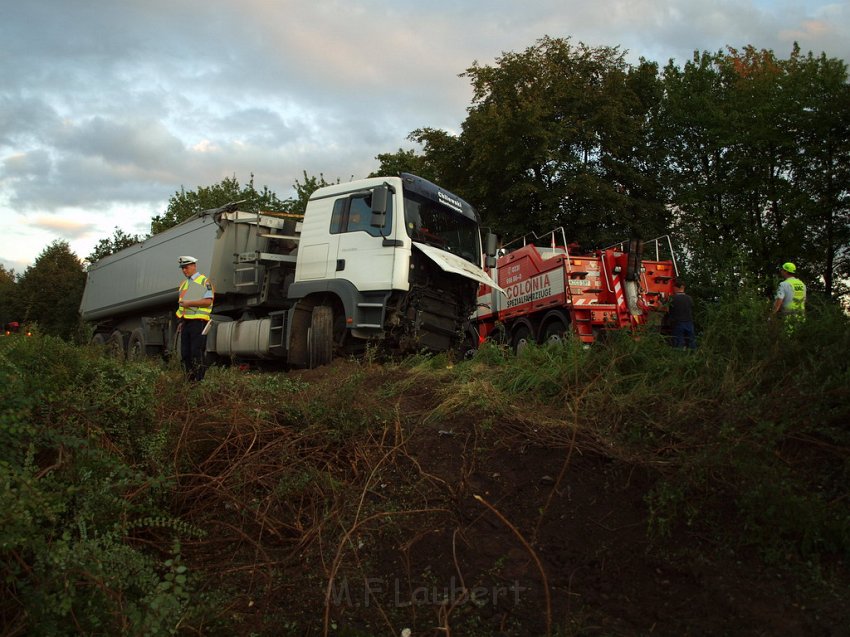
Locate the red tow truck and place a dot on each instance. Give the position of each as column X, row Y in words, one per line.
column 552, row 290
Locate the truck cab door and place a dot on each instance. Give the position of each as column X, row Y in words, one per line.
column 365, row 252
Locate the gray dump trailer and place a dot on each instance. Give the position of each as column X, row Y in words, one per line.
column 395, row 259
column 131, row 296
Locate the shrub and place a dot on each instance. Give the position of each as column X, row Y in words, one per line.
column 68, row 510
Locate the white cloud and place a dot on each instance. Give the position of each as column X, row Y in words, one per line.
column 108, row 108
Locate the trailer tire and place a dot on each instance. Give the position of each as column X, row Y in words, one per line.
column 520, row 339
column 320, row 337
column 137, row 346
column 98, row 340
column 173, row 352
column 116, row 345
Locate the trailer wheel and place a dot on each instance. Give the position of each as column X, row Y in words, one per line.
column 99, row 341
column 173, row 352
column 137, row 347
column 116, row 346
column 320, row 337
column 520, row 339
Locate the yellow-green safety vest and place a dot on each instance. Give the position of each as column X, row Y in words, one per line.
column 798, row 300
column 194, row 290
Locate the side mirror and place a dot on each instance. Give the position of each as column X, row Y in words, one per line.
column 379, row 206
column 491, row 244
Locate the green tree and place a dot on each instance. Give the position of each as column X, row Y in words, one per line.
column 184, row 204
column 304, row 190
column 696, row 121
column 118, row 241
column 758, row 165
column 821, row 128
column 8, row 294
column 558, row 135
column 49, row 291
column 404, row 161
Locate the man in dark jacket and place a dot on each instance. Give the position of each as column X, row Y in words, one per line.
column 681, row 318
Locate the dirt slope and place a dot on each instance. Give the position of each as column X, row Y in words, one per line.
column 459, row 525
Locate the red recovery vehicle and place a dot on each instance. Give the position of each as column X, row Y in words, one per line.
column 555, row 291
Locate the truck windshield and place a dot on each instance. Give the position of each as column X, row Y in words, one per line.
column 432, row 223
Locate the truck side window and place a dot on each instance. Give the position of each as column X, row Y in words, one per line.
column 338, row 216
column 359, row 215
column 354, row 214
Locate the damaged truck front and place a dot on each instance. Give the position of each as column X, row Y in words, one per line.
column 391, row 260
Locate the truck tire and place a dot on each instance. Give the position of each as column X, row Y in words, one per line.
column 137, row 346
column 320, row 337
column 556, row 331
column 520, row 339
column 469, row 345
column 98, row 340
column 116, row 345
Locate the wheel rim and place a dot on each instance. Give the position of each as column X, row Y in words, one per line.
column 556, row 332
column 522, row 337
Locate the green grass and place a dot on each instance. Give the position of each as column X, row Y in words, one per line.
column 114, row 477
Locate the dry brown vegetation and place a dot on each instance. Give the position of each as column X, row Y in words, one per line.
column 625, row 489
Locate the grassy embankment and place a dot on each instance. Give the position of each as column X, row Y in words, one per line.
column 134, row 504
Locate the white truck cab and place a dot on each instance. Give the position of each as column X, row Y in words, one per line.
column 390, row 259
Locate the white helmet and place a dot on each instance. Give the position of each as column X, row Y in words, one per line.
column 186, row 260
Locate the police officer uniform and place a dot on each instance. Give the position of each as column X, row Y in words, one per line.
column 194, row 308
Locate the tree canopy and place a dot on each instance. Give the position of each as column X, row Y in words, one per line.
column 183, row 204
column 758, row 165
column 8, row 290
column 304, row 190
column 742, row 156
column 118, row 241
column 558, row 135
column 49, row 292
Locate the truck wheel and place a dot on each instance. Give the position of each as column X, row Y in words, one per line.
column 98, row 340
column 137, row 347
column 470, row 344
column 556, row 332
column 115, row 345
column 320, row 337
column 340, row 331
column 520, row 339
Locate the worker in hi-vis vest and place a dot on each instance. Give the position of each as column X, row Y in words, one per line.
column 194, row 308
column 790, row 299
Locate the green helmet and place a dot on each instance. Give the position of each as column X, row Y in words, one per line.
column 789, row 267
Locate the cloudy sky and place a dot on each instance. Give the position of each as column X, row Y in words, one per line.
column 108, row 107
